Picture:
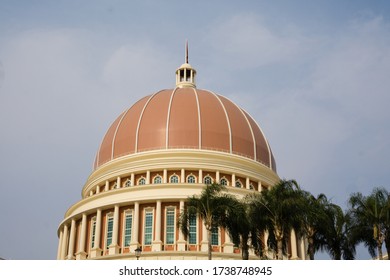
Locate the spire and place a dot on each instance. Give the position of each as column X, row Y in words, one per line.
column 186, row 52
column 185, row 74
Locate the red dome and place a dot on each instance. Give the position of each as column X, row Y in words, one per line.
column 185, row 118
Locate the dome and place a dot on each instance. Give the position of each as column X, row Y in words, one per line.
column 185, row 118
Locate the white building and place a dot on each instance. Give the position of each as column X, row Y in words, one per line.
column 160, row 151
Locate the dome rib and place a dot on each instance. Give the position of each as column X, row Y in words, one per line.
column 140, row 119
column 265, row 139
column 253, row 134
column 116, row 131
column 199, row 118
column 227, row 120
column 168, row 118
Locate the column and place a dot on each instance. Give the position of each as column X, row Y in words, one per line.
column 247, row 183
column 165, row 176
column 148, row 177
column 259, row 187
column 72, row 240
column 107, row 186
column 233, row 180
column 157, row 243
column 64, row 245
column 81, row 254
column 96, row 251
column 217, row 177
column 204, row 244
column 293, row 241
column 118, row 182
column 113, row 248
column 132, row 178
column 228, row 245
column 60, row 244
column 200, row 179
column 134, row 236
column 266, row 243
column 181, row 243
column 182, row 176
column 97, row 189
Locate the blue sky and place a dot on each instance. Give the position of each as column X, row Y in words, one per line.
column 314, row 74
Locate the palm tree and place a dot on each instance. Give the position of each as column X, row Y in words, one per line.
column 239, row 228
column 313, row 220
column 213, row 206
column 337, row 238
column 371, row 219
column 277, row 211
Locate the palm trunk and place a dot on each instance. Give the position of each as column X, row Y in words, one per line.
column 279, row 244
column 245, row 249
column 311, row 247
column 209, row 247
column 380, row 254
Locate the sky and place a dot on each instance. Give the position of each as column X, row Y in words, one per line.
column 314, row 75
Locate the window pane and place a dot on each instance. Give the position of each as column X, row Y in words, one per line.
column 93, row 233
column 128, row 226
column 192, row 232
column 214, row 236
column 110, row 225
column 148, row 228
column 170, row 227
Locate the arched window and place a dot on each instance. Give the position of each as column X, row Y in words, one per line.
column 141, row 181
column 238, row 184
column 208, row 180
column 191, row 179
column 251, row 187
column 128, row 183
column 157, row 180
column 174, row 179
column 223, row 181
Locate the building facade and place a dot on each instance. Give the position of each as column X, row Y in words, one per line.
column 155, row 155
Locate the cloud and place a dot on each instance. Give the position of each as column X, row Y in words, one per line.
column 250, row 43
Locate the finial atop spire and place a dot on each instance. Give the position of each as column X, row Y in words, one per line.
column 185, row 74
column 186, row 52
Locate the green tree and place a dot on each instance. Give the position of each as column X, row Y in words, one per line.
column 213, row 206
column 313, row 219
column 370, row 217
column 277, row 211
column 239, row 228
column 337, row 237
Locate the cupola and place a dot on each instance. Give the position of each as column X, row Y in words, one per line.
column 185, row 74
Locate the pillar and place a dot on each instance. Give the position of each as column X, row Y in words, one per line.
column 181, row 243
column 182, row 176
column 134, row 236
column 64, row 245
column 96, row 251
column 157, row 243
column 72, row 240
column 293, row 242
column 148, row 177
column 165, row 176
column 81, row 254
column 113, row 248
column 204, row 244
column 233, row 180
column 228, row 245
column 118, row 182
column 61, row 237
